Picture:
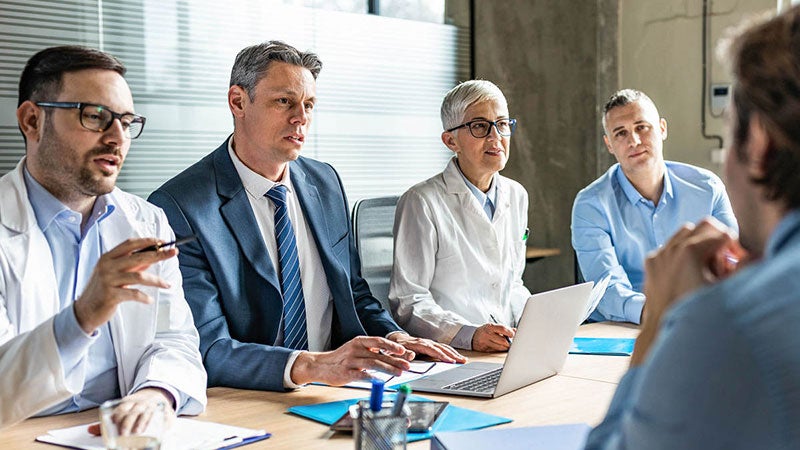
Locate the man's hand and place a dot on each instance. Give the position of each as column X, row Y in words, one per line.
column 694, row 257
column 135, row 411
column 492, row 337
column 350, row 361
column 115, row 272
column 436, row 350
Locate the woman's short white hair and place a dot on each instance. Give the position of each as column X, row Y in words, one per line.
column 461, row 97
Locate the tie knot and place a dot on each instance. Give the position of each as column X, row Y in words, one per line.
column 277, row 194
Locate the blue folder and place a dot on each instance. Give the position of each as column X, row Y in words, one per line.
column 602, row 346
column 453, row 418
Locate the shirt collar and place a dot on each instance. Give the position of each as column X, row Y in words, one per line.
column 254, row 183
column 633, row 195
column 491, row 194
column 46, row 207
column 783, row 232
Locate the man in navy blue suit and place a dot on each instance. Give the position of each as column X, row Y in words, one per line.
column 273, row 280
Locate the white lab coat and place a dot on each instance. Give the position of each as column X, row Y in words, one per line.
column 452, row 266
column 156, row 342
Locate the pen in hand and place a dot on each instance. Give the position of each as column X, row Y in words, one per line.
column 496, row 322
column 177, row 242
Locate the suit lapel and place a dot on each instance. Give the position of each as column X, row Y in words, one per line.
column 308, row 195
column 238, row 215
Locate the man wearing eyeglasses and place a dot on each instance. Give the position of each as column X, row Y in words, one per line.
column 84, row 317
column 460, row 236
column 637, row 205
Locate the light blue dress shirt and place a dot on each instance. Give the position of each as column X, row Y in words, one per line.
column 614, row 228
column 488, row 200
column 75, row 253
column 724, row 371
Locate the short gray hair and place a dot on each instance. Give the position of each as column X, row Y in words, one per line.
column 252, row 63
column 461, row 97
column 624, row 97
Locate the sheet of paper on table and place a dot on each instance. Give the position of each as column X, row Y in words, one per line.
column 419, row 369
column 183, row 434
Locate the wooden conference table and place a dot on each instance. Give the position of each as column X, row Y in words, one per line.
column 580, row 393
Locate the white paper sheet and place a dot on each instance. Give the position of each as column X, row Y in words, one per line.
column 596, row 295
column 392, row 382
column 184, row 434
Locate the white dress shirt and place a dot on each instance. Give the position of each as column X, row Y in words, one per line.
column 317, row 294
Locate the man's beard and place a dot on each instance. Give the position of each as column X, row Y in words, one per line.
column 67, row 179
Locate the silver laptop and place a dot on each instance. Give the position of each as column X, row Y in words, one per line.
column 538, row 351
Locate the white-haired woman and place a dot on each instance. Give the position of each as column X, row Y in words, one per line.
column 459, row 249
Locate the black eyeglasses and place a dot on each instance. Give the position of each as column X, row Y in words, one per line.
column 424, row 367
column 480, row 128
column 99, row 118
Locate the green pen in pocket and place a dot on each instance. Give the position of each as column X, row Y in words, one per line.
column 527, row 232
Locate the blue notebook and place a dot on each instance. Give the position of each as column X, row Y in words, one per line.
column 602, row 346
column 453, row 418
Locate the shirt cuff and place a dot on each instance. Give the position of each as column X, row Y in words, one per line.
column 463, row 339
column 633, row 309
column 71, row 340
column 394, row 332
column 177, row 399
column 287, row 372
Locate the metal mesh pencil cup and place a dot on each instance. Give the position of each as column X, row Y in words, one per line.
column 380, row 430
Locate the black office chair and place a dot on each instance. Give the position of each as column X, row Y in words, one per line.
column 373, row 221
column 578, row 274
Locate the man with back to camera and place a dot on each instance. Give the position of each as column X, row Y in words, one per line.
column 637, row 205
column 274, row 280
column 83, row 317
column 716, row 364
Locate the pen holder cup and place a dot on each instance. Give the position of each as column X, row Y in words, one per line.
column 380, row 430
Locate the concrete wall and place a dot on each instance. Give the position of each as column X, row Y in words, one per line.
column 550, row 58
column 660, row 54
column 558, row 61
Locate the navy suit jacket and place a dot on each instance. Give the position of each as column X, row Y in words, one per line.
column 230, row 282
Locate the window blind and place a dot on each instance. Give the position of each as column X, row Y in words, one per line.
column 377, row 117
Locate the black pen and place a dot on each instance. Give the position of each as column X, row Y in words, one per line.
column 508, row 339
column 177, row 242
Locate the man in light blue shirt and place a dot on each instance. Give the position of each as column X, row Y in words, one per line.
column 637, row 205
column 716, row 365
column 90, row 309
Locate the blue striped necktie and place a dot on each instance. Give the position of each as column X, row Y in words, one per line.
column 295, row 335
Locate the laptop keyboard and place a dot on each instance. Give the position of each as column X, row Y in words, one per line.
column 485, row 382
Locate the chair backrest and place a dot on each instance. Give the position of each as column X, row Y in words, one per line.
column 577, row 266
column 373, row 221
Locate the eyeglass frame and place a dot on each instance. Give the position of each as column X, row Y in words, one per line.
column 114, row 116
column 431, row 365
column 511, row 122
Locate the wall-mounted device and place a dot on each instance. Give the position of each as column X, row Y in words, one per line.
column 720, row 93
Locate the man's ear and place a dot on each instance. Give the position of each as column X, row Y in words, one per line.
column 237, row 100
column 30, row 119
column 608, row 144
column 758, row 146
column 663, row 124
column 449, row 139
